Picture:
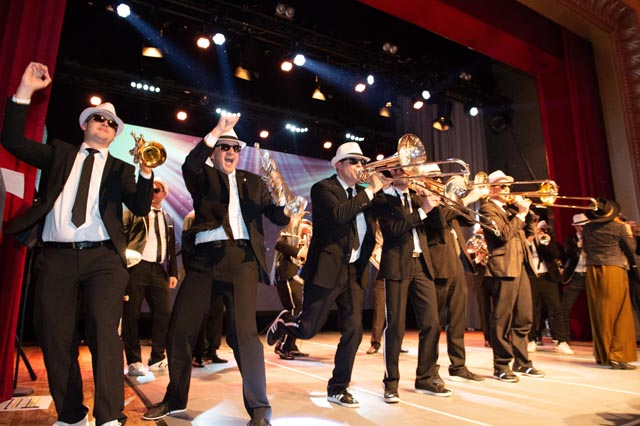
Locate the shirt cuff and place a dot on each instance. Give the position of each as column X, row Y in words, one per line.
column 422, row 213
column 522, row 217
column 146, row 175
column 210, row 141
column 20, row 101
column 369, row 193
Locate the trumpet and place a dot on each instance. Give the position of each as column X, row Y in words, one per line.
column 151, row 154
column 547, row 193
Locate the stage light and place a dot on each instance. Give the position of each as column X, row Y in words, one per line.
column 295, row 129
column 370, row 80
column 465, row 76
column 285, row 11
column 360, row 87
column 327, row 144
column 144, row 86
column 223, row 112
column 418, row 104
column 299, row 59
column 242, row 73
column 443, row 121
column 264, row 134
column 219, row 39
column 203, row 42
column 181, row 115
column 123, row 10
column 353, row 137
column 426, row 95
column 385, row 111
column 286, row 65
column 390, row 48
column 317, row 94
column 151, row 52
column 471, row 110
column 95, row 100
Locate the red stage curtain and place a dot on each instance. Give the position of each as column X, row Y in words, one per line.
column 29, row 31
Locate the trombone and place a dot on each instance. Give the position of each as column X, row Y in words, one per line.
column 547, row 193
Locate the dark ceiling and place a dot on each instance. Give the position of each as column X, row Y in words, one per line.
column 100, row 54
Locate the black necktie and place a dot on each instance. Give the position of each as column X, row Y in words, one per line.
column 158, row 239
column 356, row 240
column 79, row 210
column 407, row 202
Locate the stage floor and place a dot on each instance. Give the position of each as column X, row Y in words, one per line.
column 575, row 391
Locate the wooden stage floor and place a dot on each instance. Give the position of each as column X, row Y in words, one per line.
column 575, row 391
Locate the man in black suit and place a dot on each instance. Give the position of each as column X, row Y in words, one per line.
column 451, row 261
column 506, row 278
column 78, row 222
column 407, row 271
column 153, row 270
column 337, row 265
column 228, row 260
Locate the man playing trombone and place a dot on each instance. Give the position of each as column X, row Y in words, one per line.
column 507, row 279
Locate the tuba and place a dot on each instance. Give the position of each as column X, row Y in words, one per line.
column 151, row 154
column 280, row 192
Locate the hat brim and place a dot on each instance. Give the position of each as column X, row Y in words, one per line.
column 87, row 112
column 609, row 211
column 502, row 179
column 336, row 159
column 231, row 139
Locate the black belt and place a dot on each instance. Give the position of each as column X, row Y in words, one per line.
column 582, row 274
column 75, row 245
column 223, row 243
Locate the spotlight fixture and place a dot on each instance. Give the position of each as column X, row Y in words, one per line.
column 352, row 137
column 151, row 52
column 223, row 112
column 418, row 103
column 471, row 110
column 390, row 48
column 299, row 59
column 242, row 73
column 285, row 11
column 295, row 129
column 360, row 87
column 317, row 94
column 385, row 111
column 219, row 39
column 286, row 65
column 426, row 95
column 370, row 80
column 264, row 134
column 465, row 76
column 123, row 10
column 327, row 144
column 181, row 115
column 144, row 86
column 443, row 121
column 501, row 120
column 203, row 42
column 95, row 100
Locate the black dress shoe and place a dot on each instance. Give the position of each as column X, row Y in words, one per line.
column 619, row 365
column 215, row 359
column 258, row 422
column 277, row 329
column 285, row 355
column 197, row 363
column 505, row 376
column 296, row 353
column 161, row 410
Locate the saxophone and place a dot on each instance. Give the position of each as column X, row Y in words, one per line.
column 280, row 192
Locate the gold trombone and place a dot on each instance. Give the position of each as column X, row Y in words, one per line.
column 151, row 154
column 548, row 194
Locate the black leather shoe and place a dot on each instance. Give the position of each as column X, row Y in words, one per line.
column 619, row 365
column 296, row 353
column 161, row 410
column 285, row 355
column 343, row 398
column 276, row 329
column 505, row 376
column 258, row 422
column 215, row 359
column 197, row 363
column 375, row 347
column 434, row 389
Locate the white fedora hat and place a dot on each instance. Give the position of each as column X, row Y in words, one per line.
column 230, row 135
column 499, row 176
column 580, row 219
column 108, row 110
column 348, row 150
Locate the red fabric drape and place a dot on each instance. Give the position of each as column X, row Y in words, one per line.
column 29, row 31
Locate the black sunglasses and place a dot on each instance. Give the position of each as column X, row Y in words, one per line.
column 354, row 161
column 101, row 119
column 225, row 147
column 503, row 186
column 157, row 190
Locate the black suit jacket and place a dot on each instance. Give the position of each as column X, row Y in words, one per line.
column 136, row 229
column 397, row 247
column 509, row 250
column 334, row 217
column 55, row 159
column 285, row 253
column 550, row 255
column 442, row 244
column 209, row 189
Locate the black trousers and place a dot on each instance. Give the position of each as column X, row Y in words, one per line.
column 210, row 336
column 421, row 291
column 379, row 304
column 544, row 290
column 511, row 320
column 67, row 281
column 147, row 280
column 573, row 290
column 316, row 303
column 452, row 308
column 290, row 294
column 233, row 273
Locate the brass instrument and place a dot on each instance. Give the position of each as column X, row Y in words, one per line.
column 280, row 192
column 547, row 193
column 298, row 234
column 543, row 238
column 151, row 154
column 477, row 247
column 409, row 155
